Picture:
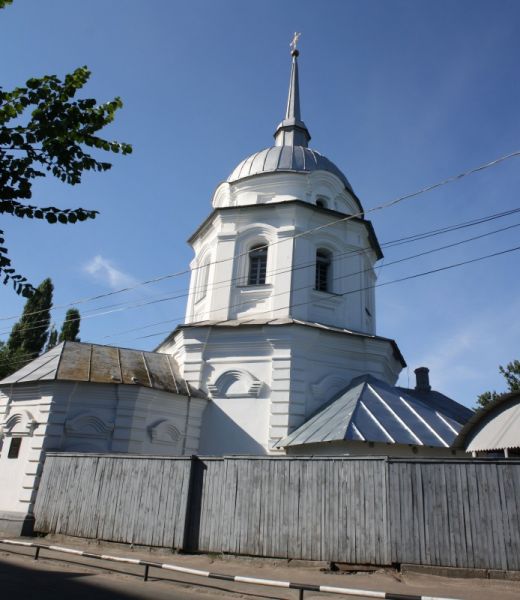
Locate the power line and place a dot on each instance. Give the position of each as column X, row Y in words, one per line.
column 219, row 285
column 360, row 214
column 349, row 292
column 401, row 279
column 291, row 269
column 394, row 262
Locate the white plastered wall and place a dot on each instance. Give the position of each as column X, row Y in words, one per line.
column 280, row 375
column 87, row 417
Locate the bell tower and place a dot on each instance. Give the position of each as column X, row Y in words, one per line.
column 281, row 310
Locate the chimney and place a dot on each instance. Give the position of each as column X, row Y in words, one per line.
column 422, row 379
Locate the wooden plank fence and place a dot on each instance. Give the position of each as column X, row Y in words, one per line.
column 370, row 510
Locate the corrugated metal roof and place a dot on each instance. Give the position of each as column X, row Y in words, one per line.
column 297, row 159
column 370, row 410
column 494, row 427
column 78, row 361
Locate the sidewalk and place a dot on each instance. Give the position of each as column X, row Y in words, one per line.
column 177, row 585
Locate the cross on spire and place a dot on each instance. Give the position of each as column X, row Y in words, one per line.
column 292, row 131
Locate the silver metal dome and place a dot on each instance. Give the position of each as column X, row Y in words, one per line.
column 297, row 159
column 290, row 152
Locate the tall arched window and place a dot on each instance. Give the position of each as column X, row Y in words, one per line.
column 323, row 264
column 201, row 285
column 257, row 265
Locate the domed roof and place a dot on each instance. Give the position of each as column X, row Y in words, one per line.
column 298, row 159
column 290, row 152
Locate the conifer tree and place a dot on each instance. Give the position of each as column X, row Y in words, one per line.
column 53, row 339
column 70, row 328
column 29, row 334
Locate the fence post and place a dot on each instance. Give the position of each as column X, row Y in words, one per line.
column 193, row 505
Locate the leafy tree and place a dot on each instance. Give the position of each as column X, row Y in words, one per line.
column 511, row 373
column 44, row 130
column 70, row 328
column 29, row 334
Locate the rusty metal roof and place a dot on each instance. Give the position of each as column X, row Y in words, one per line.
column 78, row 361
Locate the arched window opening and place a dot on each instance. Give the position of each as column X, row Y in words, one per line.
column 323, row 269
column 257, row 265
column 202, row 281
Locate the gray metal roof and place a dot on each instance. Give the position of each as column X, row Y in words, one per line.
column 369, row 410
column 494, row 427
column 297, row 159
column 77, row 361
column 440, row 402
column 290, row 152
column 255, row 322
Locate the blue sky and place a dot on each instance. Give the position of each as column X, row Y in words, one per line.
column 399, row 94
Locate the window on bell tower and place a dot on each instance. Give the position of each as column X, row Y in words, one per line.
column 257, row 265
column 323, row 270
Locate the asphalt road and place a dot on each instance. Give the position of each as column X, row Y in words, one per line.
column 22, row 577
column 66, row 577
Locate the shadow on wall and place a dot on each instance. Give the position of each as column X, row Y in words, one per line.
column 221, row 435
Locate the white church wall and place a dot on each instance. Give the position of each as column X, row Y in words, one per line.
column 235, row 426
column 291, row 265
column 296, row 370
column 284, row 186
column 86, row 417
column 24, row 415
column 353, row 448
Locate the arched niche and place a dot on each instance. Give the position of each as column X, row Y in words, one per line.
column 165, row 432
column 235, row 383
column 88, row 425
column 20, row 423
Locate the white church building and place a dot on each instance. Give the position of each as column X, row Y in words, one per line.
column 278, row 353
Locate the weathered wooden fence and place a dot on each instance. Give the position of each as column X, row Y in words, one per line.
column 460, row 513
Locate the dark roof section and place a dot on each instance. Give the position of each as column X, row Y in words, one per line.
column 442, row 403
column 333, row 213
column 483, row 417
column 78, row 361
column 252, row 322
column 369, row 410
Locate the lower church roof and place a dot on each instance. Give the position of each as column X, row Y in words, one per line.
column 369, row 410
column 78, row 361
column 278, row 322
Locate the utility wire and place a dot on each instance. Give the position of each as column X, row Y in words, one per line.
column 349, row 292
column 401, row 279
column 340, row 277
column 219, row 285
column 360, row 214
column 305, row 265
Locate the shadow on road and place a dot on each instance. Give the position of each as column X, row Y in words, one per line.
column 47, row 584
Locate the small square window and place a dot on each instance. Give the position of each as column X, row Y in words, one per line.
column 14, row 448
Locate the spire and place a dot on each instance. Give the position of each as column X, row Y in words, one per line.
column 292, row 131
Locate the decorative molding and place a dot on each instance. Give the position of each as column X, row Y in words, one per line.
column 88, row 425
column 326, row 387
column 236, row 384
column 165, row 432
column 20, row 424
